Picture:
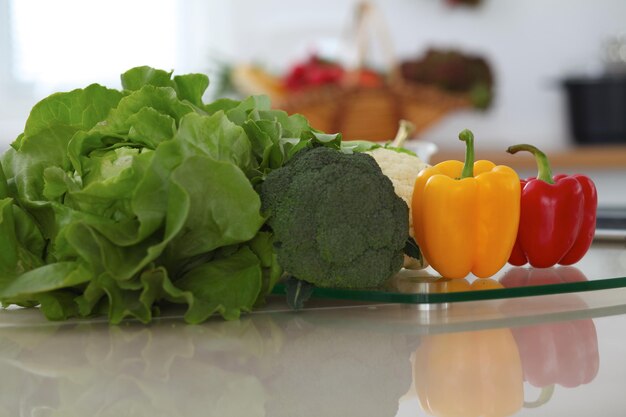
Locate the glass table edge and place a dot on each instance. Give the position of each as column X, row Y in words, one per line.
column 385, row 296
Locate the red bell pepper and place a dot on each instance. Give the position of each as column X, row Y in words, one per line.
column 557, row 216
column 563, row 353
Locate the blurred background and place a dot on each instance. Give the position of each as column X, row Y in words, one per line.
column 547, row 73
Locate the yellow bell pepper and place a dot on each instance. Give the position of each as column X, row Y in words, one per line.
column 465, row 215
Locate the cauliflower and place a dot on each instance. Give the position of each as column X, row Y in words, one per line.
column 402, row 169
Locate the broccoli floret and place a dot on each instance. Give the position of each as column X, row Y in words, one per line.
column 336, row 219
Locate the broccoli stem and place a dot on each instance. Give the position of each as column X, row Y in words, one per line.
column 468, row 168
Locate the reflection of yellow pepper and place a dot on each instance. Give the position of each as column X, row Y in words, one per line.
column 469, row 374
column 465, row 216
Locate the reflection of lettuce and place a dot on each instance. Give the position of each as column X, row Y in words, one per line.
column 120, row 201
column 262, row 365
column 231, row 394
column 136, row 371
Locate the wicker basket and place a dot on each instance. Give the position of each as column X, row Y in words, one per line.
column 372, row 113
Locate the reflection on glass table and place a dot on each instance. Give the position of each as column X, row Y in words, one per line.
column 487, row 369
column 312, row 363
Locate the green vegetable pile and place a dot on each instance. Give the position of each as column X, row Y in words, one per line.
column 119, row 202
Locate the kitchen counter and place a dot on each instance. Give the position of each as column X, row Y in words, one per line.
column 578, row 157
column 541, row 355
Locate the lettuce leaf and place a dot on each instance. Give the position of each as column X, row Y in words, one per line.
column 123, row 202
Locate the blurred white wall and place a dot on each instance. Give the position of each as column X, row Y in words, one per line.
column 531, row 44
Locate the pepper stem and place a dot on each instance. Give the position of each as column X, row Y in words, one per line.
column 468, row 168
column 544, row 396
column 543, row 166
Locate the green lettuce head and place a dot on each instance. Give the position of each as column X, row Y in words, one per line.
column 122, row 201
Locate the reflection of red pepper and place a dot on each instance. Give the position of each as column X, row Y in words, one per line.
column 564, row 353
column 557, row 217
column 524, row 277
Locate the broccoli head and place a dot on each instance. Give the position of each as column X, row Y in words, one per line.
column 336, row 219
